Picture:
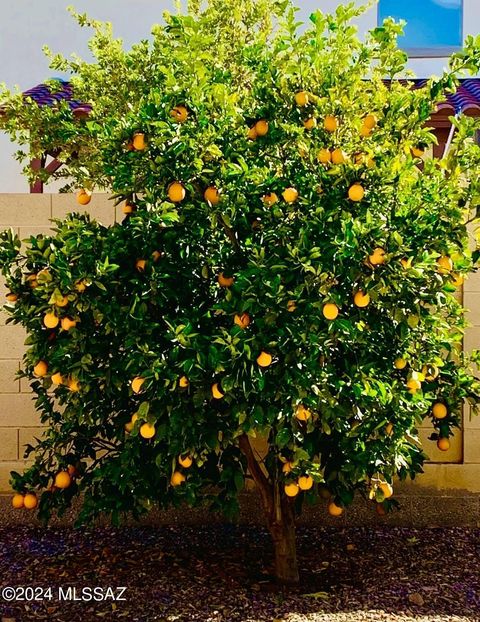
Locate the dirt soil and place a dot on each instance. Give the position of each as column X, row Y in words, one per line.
column 221, row 573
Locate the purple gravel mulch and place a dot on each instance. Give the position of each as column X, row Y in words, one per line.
column 220, row 573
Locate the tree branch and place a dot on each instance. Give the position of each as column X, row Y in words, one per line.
column 259, row 477
column 230, row 234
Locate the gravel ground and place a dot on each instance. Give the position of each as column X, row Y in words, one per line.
column 220, row 573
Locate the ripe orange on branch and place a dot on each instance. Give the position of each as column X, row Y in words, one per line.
column 176, row 192
column 18, row 501
column 211, row 195
column 330, row 123
column 290, row 195
column 139, row 142
column 330, row 311
column 40, row 369
column 179, row 114
column 264, row 359
column 84, row 197
column 225, row 281
column 242, row 320
column 217, row 392
column 51, row 320
column 261, row 127
column 439, row 410
column 137, row 384
column 30, row 501
column 63, row 479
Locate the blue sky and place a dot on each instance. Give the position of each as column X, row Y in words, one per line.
column 431, row 23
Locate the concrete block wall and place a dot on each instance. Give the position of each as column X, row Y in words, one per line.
column 30, row 214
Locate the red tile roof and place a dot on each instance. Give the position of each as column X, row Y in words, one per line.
column 466, row 99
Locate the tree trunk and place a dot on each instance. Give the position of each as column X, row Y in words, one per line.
column 282, row 529
column 280, row 514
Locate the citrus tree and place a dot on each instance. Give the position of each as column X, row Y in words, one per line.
column 285, row 269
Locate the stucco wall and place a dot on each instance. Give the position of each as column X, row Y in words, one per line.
column 19, row 423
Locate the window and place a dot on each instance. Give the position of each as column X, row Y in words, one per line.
column 434, row 27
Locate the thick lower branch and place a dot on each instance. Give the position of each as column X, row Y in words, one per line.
column 259, row 477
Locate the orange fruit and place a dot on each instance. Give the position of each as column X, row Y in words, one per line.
column 183, row 382
column 40, row 369
column 252, row 133
column 330, row 123
column 334, row 509
column 370, row 121
column 310, row 123
column 84, row 197
column 291, row 306
column 80, row 286
column 356, row 193
column 443, row 444
column 50, row 320
column 365, row 131
column 211, row 195
column 338, row 156
column 176, row 192
column 177, row 478
column 302, row 413
column 11, row 297
column 324, row 156
column 291, row 490
column 287, row 467
column 179, row 114
column 406, row 262
column 57, row 378
column 378, row 257
column 389, row 429
column 400, row 363
column 17, row 501
column 216, row 392
column 242, row 320
column 137, row 384
column 61, row 302
column 290, row 195
column 387, row 489
column 128, row 208
column 139, row 142
column 63, row 479
column 301, row 99
column 439, row 410
column 305, row 482
column 185, row 461
column 413, row 385
column 140, row 265
column 361, row 299
column 225, row 281
column 68, row 323
column 264, row 359
column 147, row 430
column 32, row 280
column 156, row 255
column 261, row 127
column 445, row 264
column 330, row 311
column 30, row 501
column 270, row 198
column 73, row 385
